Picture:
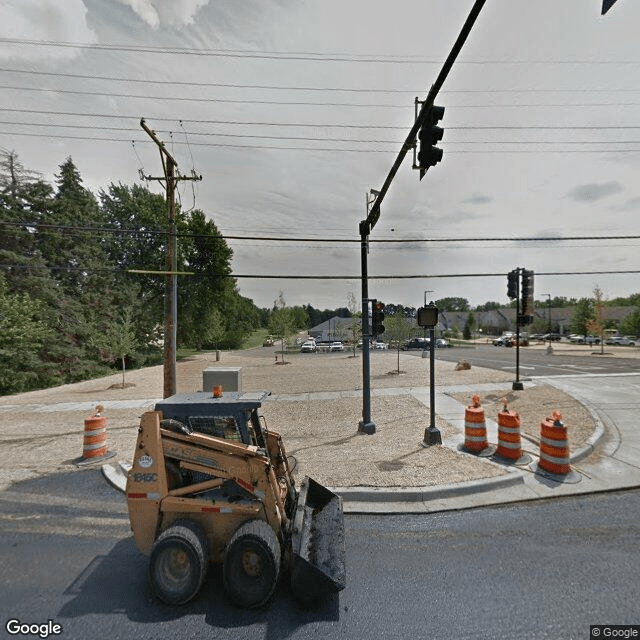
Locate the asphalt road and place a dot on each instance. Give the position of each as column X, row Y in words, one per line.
column 532, row 362
column 541, row 570
column 537, row 363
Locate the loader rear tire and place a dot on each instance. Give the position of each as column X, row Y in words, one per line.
column 252, row 564
column 178, row 562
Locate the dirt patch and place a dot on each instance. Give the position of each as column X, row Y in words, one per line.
column 323, row 434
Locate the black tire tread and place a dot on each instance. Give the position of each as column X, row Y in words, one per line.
column 256, row 530
column 191, row 534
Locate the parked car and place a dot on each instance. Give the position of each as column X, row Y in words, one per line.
column 416, row 343
column 379, row 344
column 441, row 343
column 504, row 341
column 308, row 347
column 552, row 337
column 577, row 339
column 336, row 346
column 623, row 340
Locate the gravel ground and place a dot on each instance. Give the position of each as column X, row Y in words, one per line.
column 321, row 434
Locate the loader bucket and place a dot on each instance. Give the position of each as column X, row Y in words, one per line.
column 317, row 540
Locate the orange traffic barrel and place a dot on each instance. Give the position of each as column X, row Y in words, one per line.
column 95, row 435
column 554, row 446
column 475, row 427
column 509, row 445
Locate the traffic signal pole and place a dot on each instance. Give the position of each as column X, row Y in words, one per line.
column 366, row 425
column 367, row 225
column 517, row 385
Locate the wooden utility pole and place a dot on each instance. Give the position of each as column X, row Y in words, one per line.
column 170, row 178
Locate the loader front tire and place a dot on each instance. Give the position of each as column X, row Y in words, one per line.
column 251, row 564
column 178, row 562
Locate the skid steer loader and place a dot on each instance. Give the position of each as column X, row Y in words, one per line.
column 210, row 483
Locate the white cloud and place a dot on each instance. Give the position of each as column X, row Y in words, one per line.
column 48, row 20
column 145, row 10
column 157, row 13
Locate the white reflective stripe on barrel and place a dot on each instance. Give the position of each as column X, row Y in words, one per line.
column 97, row 445
column 508, row 429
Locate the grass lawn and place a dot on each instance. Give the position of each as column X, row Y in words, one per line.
column 255, row 339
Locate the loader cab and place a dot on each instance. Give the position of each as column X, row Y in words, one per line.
column 232, row 416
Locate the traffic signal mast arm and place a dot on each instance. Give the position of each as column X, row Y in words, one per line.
column 374, row 213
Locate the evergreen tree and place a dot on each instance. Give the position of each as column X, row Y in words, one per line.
column 22, row 333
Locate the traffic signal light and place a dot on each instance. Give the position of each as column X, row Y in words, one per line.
column 527, row 293
column 377, row 317
column 512, row 284
column 429, row 135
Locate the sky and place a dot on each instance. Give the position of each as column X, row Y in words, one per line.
column 292, row 111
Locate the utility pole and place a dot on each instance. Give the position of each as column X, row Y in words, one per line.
column 170, row 178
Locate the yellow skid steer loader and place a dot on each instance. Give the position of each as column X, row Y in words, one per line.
column 210, row 483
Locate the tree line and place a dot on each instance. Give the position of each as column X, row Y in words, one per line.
column 82, row 290
column 78, row 292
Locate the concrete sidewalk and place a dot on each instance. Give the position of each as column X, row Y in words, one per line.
column 609, row 460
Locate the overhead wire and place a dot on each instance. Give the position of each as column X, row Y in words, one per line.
column 323, row 89
column 263, row 238
column 271, row 276
column 312, row 56
column 300, row 103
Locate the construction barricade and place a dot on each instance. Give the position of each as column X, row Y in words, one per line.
column 554, row 446
column 94, row 446
column 509, row 442
column 475, row 427
column 509, row 448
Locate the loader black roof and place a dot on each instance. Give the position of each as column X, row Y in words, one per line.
column 202, row 403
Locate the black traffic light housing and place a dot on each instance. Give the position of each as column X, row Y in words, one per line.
column 377, row 317
column 429, row 135
column 512, row 284
column 527, row 293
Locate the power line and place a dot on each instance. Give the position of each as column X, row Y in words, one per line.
column 196, row 144
column 253, row 101
column 312, row 56
column 271, row 87
column 501, row 239
column 196, row 133
column 263, row 123
column 263, row 276
column 322, row 149
column 321, row 138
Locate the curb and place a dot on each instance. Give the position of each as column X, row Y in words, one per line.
column 424, row 494
column 116, row 476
